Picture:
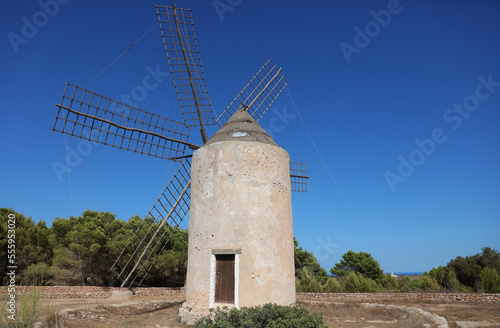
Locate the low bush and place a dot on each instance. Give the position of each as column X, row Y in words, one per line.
column 428, row 283
column 490, row 280
column 406, row 285
column 267, row 315
column 389, row 282
column 356, row 283
column 332, row 286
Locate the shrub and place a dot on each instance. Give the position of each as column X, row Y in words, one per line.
column 427, row 282
column 267, row 315
column 491, row 280
column 332, row 286
column 440, row 274
column 389, row 282
column 38, row 273
column 406, row 285
column 374, row 286
column 306, row 282
column 452, row 284
column 356, row 283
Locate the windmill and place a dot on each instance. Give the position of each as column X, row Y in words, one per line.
column 91, row 116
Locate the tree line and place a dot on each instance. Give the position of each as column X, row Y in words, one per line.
column 81, row 250
column 360, row 272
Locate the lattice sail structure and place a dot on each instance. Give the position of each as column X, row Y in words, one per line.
column 90, row 116
column 177, row 30
column 298, row 176
column 154, row 232
column 258, row 95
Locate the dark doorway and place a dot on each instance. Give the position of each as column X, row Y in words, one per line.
column 224, row 278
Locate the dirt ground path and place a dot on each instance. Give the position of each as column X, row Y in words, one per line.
column 162, row 313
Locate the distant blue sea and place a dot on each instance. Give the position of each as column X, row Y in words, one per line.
column 416, row 273
column 419, row 273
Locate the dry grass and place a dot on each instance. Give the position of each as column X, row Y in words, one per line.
column 56, row 321
column 150, row 313
column 28, row 309
column 352, row 315
column 125, row 315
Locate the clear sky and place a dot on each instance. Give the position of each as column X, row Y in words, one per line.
column 399, row 113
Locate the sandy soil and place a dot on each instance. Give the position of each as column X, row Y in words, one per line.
column 162, row 313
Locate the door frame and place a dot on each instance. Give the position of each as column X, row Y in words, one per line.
column 213, row 264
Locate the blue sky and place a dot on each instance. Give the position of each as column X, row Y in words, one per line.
column 398, row 101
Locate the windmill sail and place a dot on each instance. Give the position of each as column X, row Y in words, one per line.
column 298, row 176
column 179, row 38
column 258, row 95
column 90, row 116
column 154, row 232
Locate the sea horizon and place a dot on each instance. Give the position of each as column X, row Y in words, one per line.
column 408, row 273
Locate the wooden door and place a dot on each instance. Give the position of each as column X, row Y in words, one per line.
column 224, row 278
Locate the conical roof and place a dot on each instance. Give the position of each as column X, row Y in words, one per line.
column 241, row 127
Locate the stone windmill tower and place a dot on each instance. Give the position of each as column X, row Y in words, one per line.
column 237, row 189
column 240, row 230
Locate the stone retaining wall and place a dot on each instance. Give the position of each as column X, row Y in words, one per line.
column 96, row 292
column 442, row 297
column 179, row 293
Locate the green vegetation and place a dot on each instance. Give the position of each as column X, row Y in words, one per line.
column 362, row 263
column 268, row 315
column 79, row 247
column 86, row 246
column 476, row 273
column 308, row 272
column 361, row 273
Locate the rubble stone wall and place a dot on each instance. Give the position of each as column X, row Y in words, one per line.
column 95, row 291
column 179, row 293
column 441, row 297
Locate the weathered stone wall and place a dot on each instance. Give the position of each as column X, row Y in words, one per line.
column 95, row 292
column 441, row 297
column 179, row 293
